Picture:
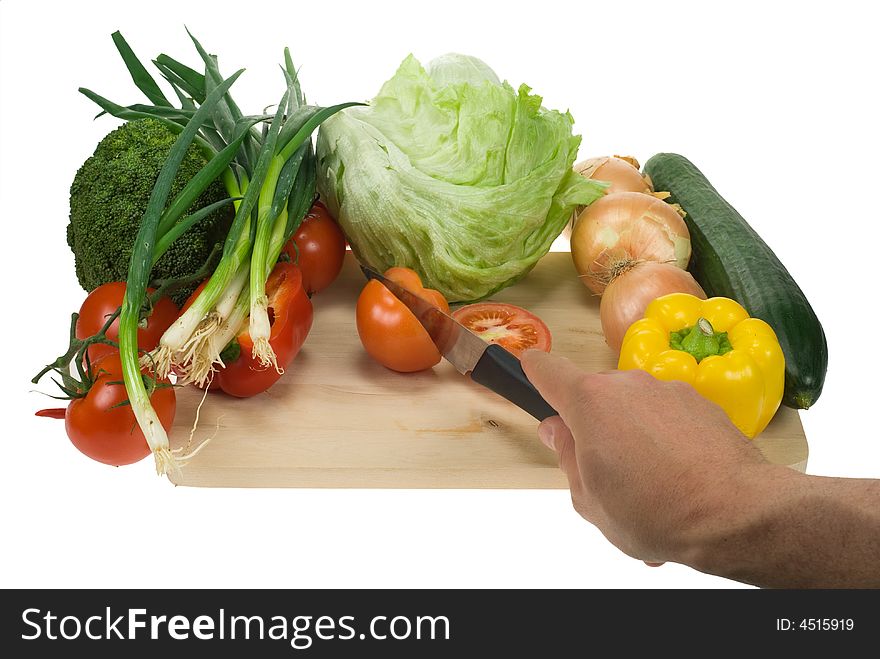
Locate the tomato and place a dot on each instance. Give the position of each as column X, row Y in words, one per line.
column 511, row 327
column 105, row 300
column 290, row 315
column 319, row 249
column 389, row 331
column 102, row 427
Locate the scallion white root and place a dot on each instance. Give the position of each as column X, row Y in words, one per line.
column 157, row 361
column 260, row 331
column 260, row 327
column 189, row 356
column 211, row 359
column 195, row 356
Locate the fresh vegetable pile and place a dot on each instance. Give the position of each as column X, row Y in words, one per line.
column 451, row 182
column 198, row 201
column 250, row 316
column 632, row 247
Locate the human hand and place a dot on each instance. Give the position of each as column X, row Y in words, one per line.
column 655, row 466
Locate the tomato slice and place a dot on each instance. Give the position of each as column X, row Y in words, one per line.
column 511, row 327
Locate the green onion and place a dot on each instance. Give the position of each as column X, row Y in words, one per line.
column 185, row 342
column 270, row 178
column 259, row 324
column 138, row 278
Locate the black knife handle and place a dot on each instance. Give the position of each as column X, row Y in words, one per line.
column 501, row 372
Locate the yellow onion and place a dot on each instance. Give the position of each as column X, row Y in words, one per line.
column 622, row 172
column 624, row 227
column 629, row 294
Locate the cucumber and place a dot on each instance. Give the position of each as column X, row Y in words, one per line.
column 729, row 259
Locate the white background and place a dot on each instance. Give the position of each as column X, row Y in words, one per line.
column 776, row 103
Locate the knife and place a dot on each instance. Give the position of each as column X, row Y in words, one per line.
column 489, row 364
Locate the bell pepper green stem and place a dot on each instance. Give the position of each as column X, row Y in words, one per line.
column 700, row 340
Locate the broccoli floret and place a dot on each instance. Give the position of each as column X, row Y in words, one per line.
column 109, row 195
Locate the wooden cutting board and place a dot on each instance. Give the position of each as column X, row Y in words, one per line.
column 338, row 419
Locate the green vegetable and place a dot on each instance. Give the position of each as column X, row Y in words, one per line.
column 454, row 174
column 109, row 195
column 271, row 179
column 730, row 260
column 141, row 263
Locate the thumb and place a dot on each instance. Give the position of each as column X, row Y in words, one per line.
column 554, row 434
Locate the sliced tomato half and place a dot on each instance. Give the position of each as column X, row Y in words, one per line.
column 511, row 327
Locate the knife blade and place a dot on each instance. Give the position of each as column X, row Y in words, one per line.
column 488, row 364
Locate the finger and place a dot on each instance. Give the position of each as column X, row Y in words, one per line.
column 554, row 434
column 555, row 377
column 549, row 429
column 653, row 563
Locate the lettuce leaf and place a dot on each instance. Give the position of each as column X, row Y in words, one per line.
column 453, row 173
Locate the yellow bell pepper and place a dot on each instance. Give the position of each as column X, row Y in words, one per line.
column 729, row 358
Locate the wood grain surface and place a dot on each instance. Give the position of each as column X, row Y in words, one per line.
column 337, row 419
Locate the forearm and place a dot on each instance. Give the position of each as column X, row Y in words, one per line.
column 796, row 531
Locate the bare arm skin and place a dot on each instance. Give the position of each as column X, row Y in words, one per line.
column 666, row 476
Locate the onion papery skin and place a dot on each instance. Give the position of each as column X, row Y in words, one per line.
column 621, row 172
column 629, row 294
column 622, row 228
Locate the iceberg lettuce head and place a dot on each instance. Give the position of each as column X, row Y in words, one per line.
column 453, row 173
